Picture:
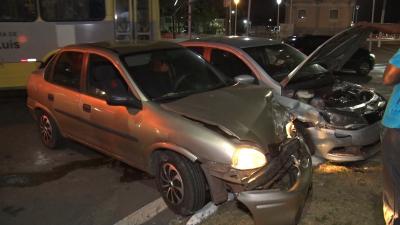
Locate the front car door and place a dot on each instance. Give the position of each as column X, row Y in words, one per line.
column 111, row 127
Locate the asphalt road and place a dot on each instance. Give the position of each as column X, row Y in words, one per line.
column 71, row 185
column 75, row 184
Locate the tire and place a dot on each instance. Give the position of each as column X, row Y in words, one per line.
column 363, row 68
column 49, row 133
column 181, row 183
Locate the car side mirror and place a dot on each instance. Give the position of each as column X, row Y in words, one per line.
column 244, row 79
column 128, row 101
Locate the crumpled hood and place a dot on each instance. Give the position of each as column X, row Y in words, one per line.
column 246, row 112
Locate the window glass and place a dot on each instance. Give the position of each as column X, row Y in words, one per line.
column 229, row 64
column 198, row 50
column 103, row 78
column 67, row 71
column 122, row 20
column 301, row 14
column 143, row 19
column 48, row 66
column 172, row 73
column 18, row 10
column 279, row 60
column 334, row 14
column 72, row 10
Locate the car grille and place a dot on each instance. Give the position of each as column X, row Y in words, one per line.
column 373, row 117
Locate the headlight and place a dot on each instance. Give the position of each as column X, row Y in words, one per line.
column 248, row 157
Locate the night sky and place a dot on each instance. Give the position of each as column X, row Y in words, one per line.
column 264, row 9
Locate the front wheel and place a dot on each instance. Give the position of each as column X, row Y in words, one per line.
column 181, row 183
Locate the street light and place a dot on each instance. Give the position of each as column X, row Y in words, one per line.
column 357, row 8
column 236, row 3
column 248, row 18
column 277, row 20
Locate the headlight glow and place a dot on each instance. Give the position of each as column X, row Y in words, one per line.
column 248, row 157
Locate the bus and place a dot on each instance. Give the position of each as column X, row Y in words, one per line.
column 31, row 29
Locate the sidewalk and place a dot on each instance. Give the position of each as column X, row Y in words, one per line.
column 385, row 52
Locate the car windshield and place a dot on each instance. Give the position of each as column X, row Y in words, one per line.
column 172, row 73
column 279, row 60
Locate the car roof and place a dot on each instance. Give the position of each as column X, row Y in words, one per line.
column 238, row 41
column 123, row 48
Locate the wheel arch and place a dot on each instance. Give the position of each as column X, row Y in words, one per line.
column 39, row 108
column 216, row 186
column 159, row 147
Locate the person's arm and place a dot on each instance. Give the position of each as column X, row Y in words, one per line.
column 391, row 75
column 388, row 28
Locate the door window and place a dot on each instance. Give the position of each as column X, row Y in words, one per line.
column 67, row 71
column 198, row 50
column 122, row 20
column 103, row 78
column 229, row 64
column 143, row 19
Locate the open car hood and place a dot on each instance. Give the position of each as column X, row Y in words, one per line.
column 334, row 53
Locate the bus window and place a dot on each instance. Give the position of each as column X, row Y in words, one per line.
column 72, row 10
column 18, row 11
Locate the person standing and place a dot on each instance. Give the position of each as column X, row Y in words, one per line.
column 391, row 133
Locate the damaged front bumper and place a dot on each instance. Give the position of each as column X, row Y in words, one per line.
column 338, row 145
column 282, row 202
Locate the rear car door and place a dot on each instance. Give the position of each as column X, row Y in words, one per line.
column 112, row 128
column 63, row 91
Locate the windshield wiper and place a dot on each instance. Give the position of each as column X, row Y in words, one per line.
column 221, row 85
column 174, row 95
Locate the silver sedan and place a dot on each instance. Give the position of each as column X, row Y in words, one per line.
column 339, row 120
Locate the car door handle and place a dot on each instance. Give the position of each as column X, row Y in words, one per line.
column 50, row 97
column 87, row 108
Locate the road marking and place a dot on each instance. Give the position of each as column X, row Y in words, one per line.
column 202, row 214
column 144, row 214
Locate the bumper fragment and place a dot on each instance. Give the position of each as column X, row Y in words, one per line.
column 278, row 206
column 345, row 145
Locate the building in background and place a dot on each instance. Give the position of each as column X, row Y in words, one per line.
column 319, row 17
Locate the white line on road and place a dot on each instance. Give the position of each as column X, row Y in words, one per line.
column 144, row 214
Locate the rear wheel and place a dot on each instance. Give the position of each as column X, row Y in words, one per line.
column 181, row 183
column 49, row 132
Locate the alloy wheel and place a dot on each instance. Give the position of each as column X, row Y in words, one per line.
column 172, row 183
column 46, row 129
